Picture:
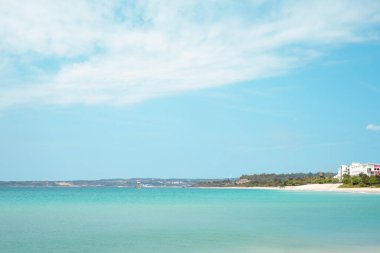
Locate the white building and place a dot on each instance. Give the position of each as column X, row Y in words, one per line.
column 343, row 169
column 355, row 169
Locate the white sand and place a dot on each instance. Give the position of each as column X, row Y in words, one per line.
column 310, row 187
column 330, row 188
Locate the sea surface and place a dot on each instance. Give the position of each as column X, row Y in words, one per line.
column 113, row 220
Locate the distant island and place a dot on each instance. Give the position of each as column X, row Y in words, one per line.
column 255, row 180
column 128, row 183
column 356, row 175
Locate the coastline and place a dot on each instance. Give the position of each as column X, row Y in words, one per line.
column 309, row 188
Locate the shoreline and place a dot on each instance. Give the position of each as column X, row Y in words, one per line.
column 308, row 188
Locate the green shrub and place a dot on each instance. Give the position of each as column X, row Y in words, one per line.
column 364, row 179
column 346, row 179
column 355, row 180
column 372, row 180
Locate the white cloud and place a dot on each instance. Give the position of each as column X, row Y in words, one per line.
column 373, row 127
column 119, row 53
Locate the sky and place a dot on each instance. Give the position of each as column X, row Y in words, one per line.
column 187, row 89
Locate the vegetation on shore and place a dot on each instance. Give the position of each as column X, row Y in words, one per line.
column 273, row 180
column 362, row 180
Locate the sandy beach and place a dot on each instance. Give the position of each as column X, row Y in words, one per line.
column 330, row 188
column 312, row 187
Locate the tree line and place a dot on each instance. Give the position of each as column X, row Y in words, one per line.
column 362, row 180
column 273, row 180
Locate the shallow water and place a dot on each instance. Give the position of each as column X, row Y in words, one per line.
column 186, row 220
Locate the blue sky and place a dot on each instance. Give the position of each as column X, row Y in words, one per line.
column 196, row 89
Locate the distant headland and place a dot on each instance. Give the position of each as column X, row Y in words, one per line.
column 118, row 182
column 354, row 176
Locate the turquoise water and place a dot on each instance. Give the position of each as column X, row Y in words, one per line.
column 186, row 220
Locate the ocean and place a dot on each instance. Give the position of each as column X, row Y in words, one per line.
column 116, row 220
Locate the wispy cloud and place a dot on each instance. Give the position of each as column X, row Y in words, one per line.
column 373, row 127
column 120, row 53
